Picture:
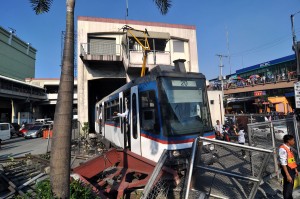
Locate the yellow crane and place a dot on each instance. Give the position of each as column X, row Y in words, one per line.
column 145, row 46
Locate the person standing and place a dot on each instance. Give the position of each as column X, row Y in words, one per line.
column 219, row 130
column 126, row 115
column 241, row 139
column 288, row 166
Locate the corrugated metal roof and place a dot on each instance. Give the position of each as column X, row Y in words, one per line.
column 18, row 81
column 266, row 64
column 151, row 34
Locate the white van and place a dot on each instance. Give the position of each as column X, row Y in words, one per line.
column 42, row 121
column 4, row 131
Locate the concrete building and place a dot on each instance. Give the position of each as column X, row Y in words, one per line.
column 261, row 88
column 216, row 107
column 18, row 100
column 17, row 58
column 110, row 56
column 46, row 108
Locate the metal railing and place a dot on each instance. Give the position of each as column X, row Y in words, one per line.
column 100, row 49
column 154, row 57
column 230, row 175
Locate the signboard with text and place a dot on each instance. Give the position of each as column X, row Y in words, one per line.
column 297, row 94
column 259, row 93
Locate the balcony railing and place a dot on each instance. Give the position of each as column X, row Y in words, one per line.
column 100, row 51
column 153, row 58
column 241, row 84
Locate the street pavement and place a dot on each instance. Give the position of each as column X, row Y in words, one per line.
column 19, row 146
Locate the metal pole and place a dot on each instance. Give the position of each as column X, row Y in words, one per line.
column 190, row 171
column 221, row 79
column 295, row 45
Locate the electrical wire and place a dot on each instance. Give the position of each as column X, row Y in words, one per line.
column 262, row 47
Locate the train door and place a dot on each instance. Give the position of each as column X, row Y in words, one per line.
column 135, row 136
column 121, row 136
column 97, row 118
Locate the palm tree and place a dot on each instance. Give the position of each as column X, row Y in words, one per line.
column 62, row 129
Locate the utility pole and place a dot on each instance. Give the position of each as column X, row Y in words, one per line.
column 295, row 45
column 296, row 48
column 221, row 79
column 221, row 70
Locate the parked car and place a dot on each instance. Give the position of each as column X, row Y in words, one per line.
column 4, row 131
column 279, row 132
column 24, row 128
column 12, row 130
column 16, row 126
column 36, row 131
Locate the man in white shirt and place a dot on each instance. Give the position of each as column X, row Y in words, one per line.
column 126, row 115
column 288, row 166
column 219, row 130
column 241, row 139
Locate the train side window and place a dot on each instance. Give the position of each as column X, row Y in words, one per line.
column 148, row 106
column 134, row 116
column 107, row 112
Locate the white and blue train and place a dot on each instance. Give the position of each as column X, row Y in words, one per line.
column 168, row 109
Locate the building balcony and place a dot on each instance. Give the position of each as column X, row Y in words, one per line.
column 135, row 59
column 100, row 52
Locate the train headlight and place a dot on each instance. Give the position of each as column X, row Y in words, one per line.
column 176, row 153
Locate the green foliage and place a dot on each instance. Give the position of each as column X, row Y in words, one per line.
column 77, row 190
column 85, row 127
column 41, row 6
column 45, row 156
column 43, row 190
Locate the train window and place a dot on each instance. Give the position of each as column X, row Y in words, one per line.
column 112, row 107
column 134, row 115
column 182, row 115
column 148, row 107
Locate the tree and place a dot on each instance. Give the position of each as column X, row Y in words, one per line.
column 62, row 129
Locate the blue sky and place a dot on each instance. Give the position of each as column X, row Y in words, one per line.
column 258, row 30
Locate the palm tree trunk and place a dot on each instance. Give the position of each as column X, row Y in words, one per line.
column 61, row 141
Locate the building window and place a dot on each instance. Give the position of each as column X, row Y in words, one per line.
column 178, row 46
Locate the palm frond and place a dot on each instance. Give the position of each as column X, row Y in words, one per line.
column 41, row 6
column 163, row 5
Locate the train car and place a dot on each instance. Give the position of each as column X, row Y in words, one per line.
column 168, row 109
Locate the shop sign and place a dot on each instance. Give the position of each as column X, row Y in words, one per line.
column 297, row 94
column 264, row 64
column 259, row 93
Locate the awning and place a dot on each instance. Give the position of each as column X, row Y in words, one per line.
column 151, row 34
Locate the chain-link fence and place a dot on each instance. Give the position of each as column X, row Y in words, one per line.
column 167, row 183
column 230, row 170
column 269, row 135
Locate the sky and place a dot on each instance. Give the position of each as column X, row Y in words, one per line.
column 250, row 31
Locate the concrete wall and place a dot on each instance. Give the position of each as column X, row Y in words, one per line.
column 216, row 107
column 17, row 58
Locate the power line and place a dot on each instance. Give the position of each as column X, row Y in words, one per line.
column 262, row 47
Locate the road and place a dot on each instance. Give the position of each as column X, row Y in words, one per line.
column 19, row 146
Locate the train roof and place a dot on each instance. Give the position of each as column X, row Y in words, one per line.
column 152, row 75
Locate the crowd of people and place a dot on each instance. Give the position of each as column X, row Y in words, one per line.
column 253, row 80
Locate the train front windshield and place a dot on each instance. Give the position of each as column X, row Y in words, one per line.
column 184, row 106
